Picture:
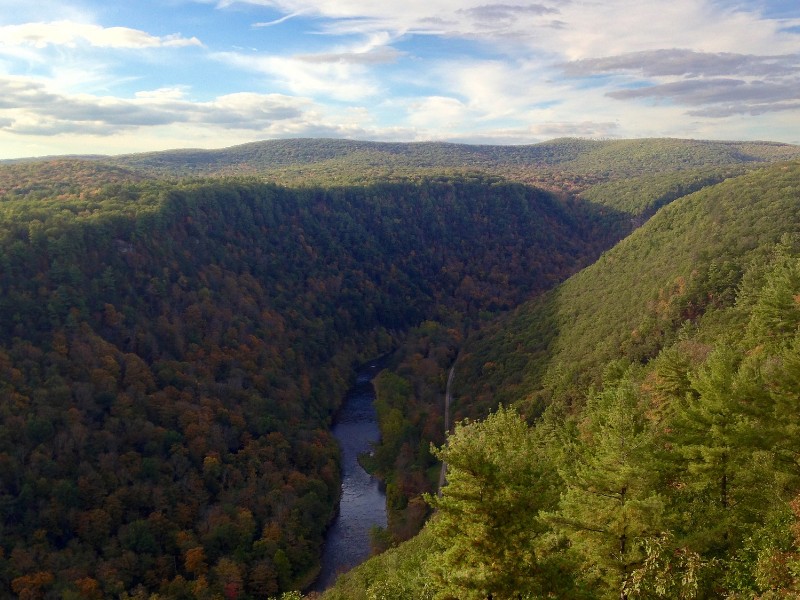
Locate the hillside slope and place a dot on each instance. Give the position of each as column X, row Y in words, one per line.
column 662, row 383
column 171, row 357
column 687, row 259
column 628, row 305
column 562, row 164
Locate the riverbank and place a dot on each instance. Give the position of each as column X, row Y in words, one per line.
column 362, row 504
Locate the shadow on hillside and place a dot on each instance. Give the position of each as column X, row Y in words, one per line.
column 506, row 361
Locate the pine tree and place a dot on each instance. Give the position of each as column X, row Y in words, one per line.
column 723, row 437
column 610, row 506
column 487, row 518
column 783, row 383
column 776, row 313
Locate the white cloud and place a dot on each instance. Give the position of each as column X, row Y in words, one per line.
column 71, row 34
column 619, row 26
column 166, row 93
column 439, row 114
column 29, row 107
column 702, row 37
column 499, row 89
column 477, row 70
column 320, row 76
column 690, row 63
column 500, row 21
column 574, row 28
column 375, row 49
column 713, row 84
column 274, row 22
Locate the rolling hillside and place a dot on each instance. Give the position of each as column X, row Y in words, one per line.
column 178, row 328
column 624, row 157
column 564, row 164
column 171, row 357
column 686, row 260
column 661, row 388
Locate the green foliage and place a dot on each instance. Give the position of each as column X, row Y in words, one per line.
column 567, row 164
column 683, row 266
column 487, row 518
column 410, row 407
column 401, row 573
column 664, row 390
column 776, row 313
column 719, row 469
column 643, row 196
column 666, row 572
column 609, row 506
column 295, row 595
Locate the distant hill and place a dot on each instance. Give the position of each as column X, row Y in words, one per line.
column 56, row 176
column 577, row 161
column 619, row 156
column 565, row 165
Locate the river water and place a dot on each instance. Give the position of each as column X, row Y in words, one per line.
column 363, row 503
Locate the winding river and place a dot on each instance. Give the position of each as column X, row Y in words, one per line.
column 363, row 503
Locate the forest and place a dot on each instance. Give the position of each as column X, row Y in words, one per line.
column 641, row 437
column 177, row 330
column 173, row 356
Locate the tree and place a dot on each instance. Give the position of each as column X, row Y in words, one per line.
column 610, row 506
column 776, row 313
column 487, row 519
column 782, row 378
column 33, row 585
column 667, row 572
column 721, row 439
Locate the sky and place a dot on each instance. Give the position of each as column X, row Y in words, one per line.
column 101, row 77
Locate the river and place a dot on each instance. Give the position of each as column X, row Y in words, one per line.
column 363, row 503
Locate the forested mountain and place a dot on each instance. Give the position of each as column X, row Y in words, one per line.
column 686, row 261
column 626, row 157
column 171, row 357
column 648, row 447
column 173, row 349
column 563, row 164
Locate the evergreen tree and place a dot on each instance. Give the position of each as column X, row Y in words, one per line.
column 721, row 438
column 783, row 382
column 724, row 485
column 609, row 506
column 487, row 520
column 776, row 314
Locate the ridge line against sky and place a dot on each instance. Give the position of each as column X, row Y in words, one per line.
column 85, row 76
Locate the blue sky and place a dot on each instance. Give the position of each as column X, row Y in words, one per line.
column 91, row 76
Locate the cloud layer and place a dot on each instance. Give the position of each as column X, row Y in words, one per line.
column 69, row 33
column 49, row 113
column 721, row 84
column 86, row 76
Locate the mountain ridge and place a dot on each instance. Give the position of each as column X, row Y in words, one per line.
column 599, row 160
column 661, row 389
column 188, row 328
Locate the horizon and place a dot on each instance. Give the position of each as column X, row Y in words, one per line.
column 81, row 77
column 97, row 156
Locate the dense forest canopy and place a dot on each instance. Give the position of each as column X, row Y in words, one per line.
column 172, row 356
column 173, row 349
column 648, row 442
column 566, row 164
column 687, row 260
